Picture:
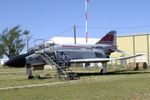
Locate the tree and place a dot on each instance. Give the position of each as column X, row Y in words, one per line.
column 11, row 41
column 1, row 50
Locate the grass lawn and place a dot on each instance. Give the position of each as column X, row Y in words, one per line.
column 128, row 85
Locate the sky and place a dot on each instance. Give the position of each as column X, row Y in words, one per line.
column 48, row 18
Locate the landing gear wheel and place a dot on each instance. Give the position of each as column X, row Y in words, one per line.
column 30, row 77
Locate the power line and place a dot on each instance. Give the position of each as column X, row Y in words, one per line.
column 65, row 31
column 120, row 28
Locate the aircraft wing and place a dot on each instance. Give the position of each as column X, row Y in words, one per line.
column 94, row 60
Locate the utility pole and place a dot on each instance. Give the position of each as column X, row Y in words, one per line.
column 74, row 34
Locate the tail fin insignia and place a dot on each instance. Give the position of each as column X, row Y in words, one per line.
column 109, row 38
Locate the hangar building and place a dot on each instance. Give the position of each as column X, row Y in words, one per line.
column 134, row 44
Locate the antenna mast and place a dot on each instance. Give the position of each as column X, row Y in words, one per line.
column 86, row 19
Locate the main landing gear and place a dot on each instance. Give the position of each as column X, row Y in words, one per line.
column 103, row 70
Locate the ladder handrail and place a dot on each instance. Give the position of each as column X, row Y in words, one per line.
column 43, row 44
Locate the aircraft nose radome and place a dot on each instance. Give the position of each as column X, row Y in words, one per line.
column 16, row 61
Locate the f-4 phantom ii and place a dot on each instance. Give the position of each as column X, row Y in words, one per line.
column 63, row 54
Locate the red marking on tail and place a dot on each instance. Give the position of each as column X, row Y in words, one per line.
column 108, row 38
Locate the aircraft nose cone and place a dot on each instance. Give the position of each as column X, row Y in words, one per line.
column 17, row 61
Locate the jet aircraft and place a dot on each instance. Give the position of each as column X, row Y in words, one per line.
column 63, row 55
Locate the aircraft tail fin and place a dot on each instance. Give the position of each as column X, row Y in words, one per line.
column 109, row 38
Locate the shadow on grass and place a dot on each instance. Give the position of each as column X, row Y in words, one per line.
column 121, row 72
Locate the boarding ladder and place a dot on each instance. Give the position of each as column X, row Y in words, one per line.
column 51, row 59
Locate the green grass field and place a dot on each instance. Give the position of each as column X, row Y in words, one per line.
column 128, row 85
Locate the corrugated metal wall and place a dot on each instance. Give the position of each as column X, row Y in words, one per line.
column 134, row 44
